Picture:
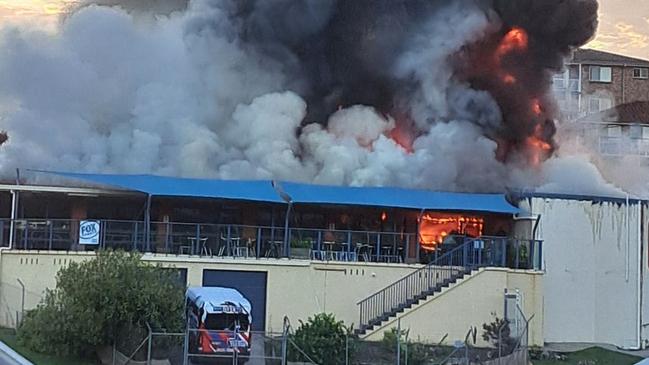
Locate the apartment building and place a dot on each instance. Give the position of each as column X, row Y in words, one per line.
column 595, row 81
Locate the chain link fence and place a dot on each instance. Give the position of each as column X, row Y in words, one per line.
column 140, row 346
column 15, row 300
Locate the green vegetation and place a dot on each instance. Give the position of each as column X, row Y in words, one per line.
column 498, row 334
column 8, row 336
column 417, row 353
column 323, row 339
column 97, row 302
column 593, row 355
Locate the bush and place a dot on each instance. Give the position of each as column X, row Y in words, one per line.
column 498, row 334
column 417, row 353
column 99, row 301
column 323, row 339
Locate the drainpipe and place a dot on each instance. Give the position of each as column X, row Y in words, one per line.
column 14, row 211
column 579, row 90
column 628, row 240
column 639, row 283
column 623, row 96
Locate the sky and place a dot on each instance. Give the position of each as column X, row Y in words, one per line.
column 624, row 24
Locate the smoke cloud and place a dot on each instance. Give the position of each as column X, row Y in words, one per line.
column 381, row 92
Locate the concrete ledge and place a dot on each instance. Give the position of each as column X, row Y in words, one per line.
column 16, row 357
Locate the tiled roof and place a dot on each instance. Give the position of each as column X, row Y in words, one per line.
column 591, row 56
column 636, row 112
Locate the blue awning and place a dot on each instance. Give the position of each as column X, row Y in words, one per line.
column 298, row 193
column 397, row 198
column 253, row 190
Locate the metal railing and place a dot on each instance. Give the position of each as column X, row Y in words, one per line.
column 214, row 240
column 457, row 261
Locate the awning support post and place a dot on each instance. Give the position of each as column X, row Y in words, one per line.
column 287, row 246
column 147, row 222
column 421, row 215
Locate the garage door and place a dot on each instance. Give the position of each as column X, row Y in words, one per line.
column 252, row 284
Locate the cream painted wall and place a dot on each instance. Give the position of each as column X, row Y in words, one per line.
column 295, row 287
column 301, row 289
column 591, row 265
column 470, row 303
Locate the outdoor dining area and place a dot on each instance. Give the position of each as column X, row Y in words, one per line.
column 217, row 240
column 252, row 219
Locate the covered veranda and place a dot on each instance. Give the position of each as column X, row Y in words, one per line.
column 269, row 219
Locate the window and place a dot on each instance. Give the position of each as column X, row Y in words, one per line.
column 597, row 104
column 614, row 131
column 600, row 74
column 640, row 73
column 639, row 132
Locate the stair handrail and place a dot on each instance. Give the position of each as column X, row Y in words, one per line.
column 426, row 278
column 434, row 263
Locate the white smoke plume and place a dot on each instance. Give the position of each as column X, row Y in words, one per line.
column 184, row 93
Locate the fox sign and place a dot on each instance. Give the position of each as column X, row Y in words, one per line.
column 89, row 232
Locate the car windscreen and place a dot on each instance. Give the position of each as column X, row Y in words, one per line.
column 225, row 321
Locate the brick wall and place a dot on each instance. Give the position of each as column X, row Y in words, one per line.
column 622, row 89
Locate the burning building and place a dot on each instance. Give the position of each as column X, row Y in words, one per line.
column 366, row 110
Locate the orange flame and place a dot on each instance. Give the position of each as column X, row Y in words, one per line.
column 403, row 135
column 515, row 39
column 433, row 228
column 536, row 108
column 537, row 147
column 509, row 79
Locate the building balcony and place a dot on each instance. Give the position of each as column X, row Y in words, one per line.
column 617, row 146
column 567, row 85
column 261, row 242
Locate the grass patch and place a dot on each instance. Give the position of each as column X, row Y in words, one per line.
column 8, row 336
column 599, row 355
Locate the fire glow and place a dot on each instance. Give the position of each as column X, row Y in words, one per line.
column 434, row 228
column 515, row 39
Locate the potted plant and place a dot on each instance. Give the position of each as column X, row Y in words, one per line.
column 301, row 248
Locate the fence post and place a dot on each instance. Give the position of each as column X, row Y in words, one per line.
column 22, row 301
column 346, row 348
column 186, row 344
column 399, row 341
column 284, row 347
column 150, row 340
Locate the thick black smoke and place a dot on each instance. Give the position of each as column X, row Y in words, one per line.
column 416, row 93
column 347, row 52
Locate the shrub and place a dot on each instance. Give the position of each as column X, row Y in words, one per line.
column 323, row 339
column 96, row 302
column 498, row 334
column 417, row 353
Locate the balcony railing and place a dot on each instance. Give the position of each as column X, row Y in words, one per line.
column 563, row 84
column 230, row 240
column 617, row 146
column 214, row 240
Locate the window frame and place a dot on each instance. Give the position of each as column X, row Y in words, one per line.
column 640, row 75
column 599, row 74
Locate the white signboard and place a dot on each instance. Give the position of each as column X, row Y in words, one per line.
column 89, row 232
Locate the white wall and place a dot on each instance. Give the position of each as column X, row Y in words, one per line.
column 591, row 262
